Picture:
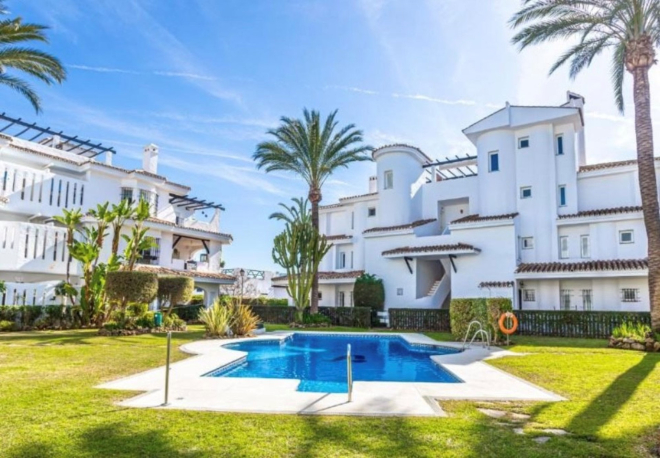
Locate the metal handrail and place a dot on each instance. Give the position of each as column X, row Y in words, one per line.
column 486, row 342
column 467, row 333
column 349, row 373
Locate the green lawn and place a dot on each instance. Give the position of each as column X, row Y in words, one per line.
column 48, row 407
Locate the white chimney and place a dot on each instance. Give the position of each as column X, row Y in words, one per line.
column 373, row 184
column 108, row 157
column 150, row 159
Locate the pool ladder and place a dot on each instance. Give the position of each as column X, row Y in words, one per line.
column 479, row 332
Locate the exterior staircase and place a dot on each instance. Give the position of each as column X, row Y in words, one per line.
column 434, row 288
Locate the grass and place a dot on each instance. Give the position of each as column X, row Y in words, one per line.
column 49, row 407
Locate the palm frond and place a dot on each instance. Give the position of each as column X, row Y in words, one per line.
column 23, row 88
column 618, row 72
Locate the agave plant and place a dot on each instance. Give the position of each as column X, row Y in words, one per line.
column 217, row 319
column 244, row 321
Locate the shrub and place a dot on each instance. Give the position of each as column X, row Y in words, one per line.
column 277, row 302
column 131, row 286
column 316, row 319
column 9, row 313
column 496, row 306
column 369, row 292
column 631, row 330
column 146, row 320
column 463, row 311
column 6, row 326
column 217, row 319
column 30, row 314
column 196, row 299
column 111, row 326
column 189, row 313
column 174, row 290
column 244, row 320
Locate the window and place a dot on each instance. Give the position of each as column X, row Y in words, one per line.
column 342, row 299
column 341, row 260
column 127, row 194
column 523, row 142
column 399, row 291
column 560, row 145
column 493, row 161
column 320, row 296
column 626, row 237
column 152, row 199
column 630, row 295
column 526, row 192
column 52, row 187
column 351, row 259
column 371, row 211
column 204, row 257
column 82, row 193
column 565, row 299
column 563, row 247
column 352, row 220
column 388, row 179
column 586, row 299
column 562, row 195
column 527, row 243
column 585, row 251
column 59, row 193
column 529, row 295
column 151, row 255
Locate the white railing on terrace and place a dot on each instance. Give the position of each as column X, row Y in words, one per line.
column 29, row 293
column 31, row 247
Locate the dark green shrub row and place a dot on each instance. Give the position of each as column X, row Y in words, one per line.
column 188, row 313
column 339, row 316
column 369, row 292
column 486, row 310
column 419, row 319
column 26, row 317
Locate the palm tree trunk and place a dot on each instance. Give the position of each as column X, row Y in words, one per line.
column 314, row 198
column 648, row 185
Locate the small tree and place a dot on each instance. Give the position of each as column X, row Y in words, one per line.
column 121, row 213
column 125, row 286
column 369, row 292
column 71, row 220
column 299, row 250
column 174, row 290
column 138, row 241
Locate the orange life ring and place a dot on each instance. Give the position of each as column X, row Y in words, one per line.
column 503, row 328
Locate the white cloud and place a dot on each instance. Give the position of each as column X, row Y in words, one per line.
column 426, row 98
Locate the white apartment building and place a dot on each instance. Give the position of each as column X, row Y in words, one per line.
column 43, row 172
column 524, row 217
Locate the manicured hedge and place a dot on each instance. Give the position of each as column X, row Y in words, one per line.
column 175, row 289
column 565, row 323
column 188, row 313
column 26, row 317
column 419, row 319
column 131, row 286
column 465, row 310
column 339, row 316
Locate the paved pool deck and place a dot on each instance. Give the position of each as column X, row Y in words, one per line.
column 189, row 389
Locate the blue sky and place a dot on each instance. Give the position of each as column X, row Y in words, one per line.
column 204, row 79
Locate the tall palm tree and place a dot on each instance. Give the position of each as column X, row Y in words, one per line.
column 38, row 64
column 314, row 150
column 630, row 30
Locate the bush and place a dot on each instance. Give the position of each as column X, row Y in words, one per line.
column 463, row 311
column 188, row 313
column 628, row 329
column 277, row 302
column 131, row 286
column 9, row 313
column 244, row 320
column 29, row 315
column 369, row 292
column 174, row 290
column 217, row 319
column 6, row 326
column 496, row 306
column 196, row 299
column 111, row 326
column 173, row 323
column 316, row 319
column 146, row 320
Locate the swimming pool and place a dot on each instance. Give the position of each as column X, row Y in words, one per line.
column 319, row 361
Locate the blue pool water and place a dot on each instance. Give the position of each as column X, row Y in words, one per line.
column 319, row 361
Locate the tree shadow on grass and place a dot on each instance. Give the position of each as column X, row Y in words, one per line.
column 606, row 405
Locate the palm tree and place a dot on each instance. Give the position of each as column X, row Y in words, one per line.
column 71, row 220
column 294, row 213
column 630, row 29
column 313, row 150
column 33, row 62
column 120, row 213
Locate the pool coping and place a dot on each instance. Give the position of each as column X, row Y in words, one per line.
column 189, row 389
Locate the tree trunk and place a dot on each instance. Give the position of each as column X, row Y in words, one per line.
column 315, row 197
column 647, row 184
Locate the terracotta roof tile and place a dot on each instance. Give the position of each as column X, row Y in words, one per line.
column 342, row 199
column 476, row 218
column 609, row 165
column 414, row 224
column 430, row 249
column 330, row 275
column 496, row 284
column 584, row 266
column 183, row 273
column 602, row 212
column 338, row 237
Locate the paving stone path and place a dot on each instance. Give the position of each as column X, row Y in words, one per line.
column 517, row 421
